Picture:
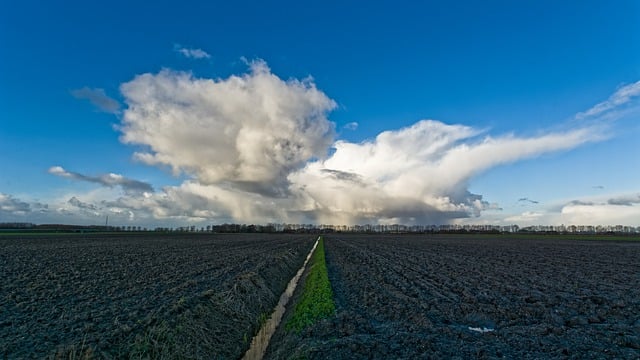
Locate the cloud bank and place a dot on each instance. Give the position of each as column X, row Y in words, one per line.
column 257, row 148
column 15, row 209
column 611, row 209
column 616, row 210
column 11, row 206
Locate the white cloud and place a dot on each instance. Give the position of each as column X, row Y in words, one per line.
column 13, row 209
column 249, row 130
column 415, row 174
column 620, row 98
column 98, row 98
column 526, row 218
column 399, row 177
column 612, row 209
column 600, row 214
column 192, row 53
column 351, row 126
column 392, row 179
column 91, row 208
column 11, row 206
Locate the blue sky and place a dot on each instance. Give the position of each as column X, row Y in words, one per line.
column 532, row 109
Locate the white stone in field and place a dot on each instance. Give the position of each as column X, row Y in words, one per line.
column 481, row 329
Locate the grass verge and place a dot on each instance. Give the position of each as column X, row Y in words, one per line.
column 316, row 301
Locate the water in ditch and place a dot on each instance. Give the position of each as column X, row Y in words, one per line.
column 260, row 342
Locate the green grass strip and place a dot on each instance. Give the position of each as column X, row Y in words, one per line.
column 316, row 301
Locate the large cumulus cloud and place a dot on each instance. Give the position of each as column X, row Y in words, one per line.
column 416, row 174
column 250, row 131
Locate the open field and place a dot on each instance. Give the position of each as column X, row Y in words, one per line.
column 424, row 296
column 150, row 295
column 140, row 295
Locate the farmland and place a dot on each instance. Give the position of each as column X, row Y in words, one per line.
column 475, row 297
column 140, row 295
column 203, row 296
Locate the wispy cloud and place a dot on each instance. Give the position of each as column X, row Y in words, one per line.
column 525, row 199
column 191, row 53
column 351, row 126
column 130, row 186
column 98, row 98
column 621, row 97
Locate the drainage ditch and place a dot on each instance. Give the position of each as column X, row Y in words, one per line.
column 260, row 342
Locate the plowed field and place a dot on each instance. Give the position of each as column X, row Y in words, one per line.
column 171, row 296
column 476, row 297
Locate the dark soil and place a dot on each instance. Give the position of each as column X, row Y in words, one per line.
column 122, row 296
column 408, row 297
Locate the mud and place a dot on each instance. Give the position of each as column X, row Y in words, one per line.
column 140, row 296
column 410, row 297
